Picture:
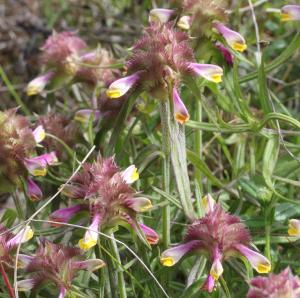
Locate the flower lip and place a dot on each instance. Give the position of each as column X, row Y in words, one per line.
column 172, row 255
column 38, row 84
column 290, row 13
column 233, row 38
column 294, row 227
column 160, row 15
column 260, row 263
column 210, row 72
column 120, row 87
column 180, row 111
column 91, row 235
column 130, row 174
column 39, row 134
column 184, row 22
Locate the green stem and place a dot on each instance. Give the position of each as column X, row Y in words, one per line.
column 18, row 205
column 12, row 91
column 178, row 156
column 120, row 276
column 198, row 150
column 164, row 112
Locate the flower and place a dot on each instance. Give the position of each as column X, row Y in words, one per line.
column 56, row 264
column 294, row 227
column 85, row 115
column 59, row 50
column 93, row 68
column 37, row 166
column 130, row 175
column 219, row 236
column 210, row 72
column 160, row 15
column 37, row 85
column 234, row 39
column 39, row 134
column 160, row 60
column 280, row 285
column 33, row 190
column 290, row 13
column 105, row 191
column 198, row 15
column 225, row 53
column 184, row 22
column 17, row 149
column 180, row 111
column 65, row 214
column 9, row 242
column 120, row 87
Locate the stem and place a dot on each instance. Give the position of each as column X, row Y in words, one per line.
column 176, row 142
column 11, row 89
column 6, row 281
column 164, row 112
column 121, row 281
column 198, row 150
column 18, row 205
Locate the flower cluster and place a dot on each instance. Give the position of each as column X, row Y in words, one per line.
column 161, row 58
column 66, row 58
column 219, row 236
column 105, row 191
column 280, row 285
column 18, row 153
column 55, row 264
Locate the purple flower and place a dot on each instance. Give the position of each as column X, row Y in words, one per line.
column 65, row 214
column 282, row 285
column 37, row 166
column 17, row 145
column 160, row 15
column 59, row 49
column 105, row 190
column 9, row 242
column 290, row 13
column 225, row 53
column 180, row 112
column 33, row 190
column 161, row 58
column 233, row 38
column 219, row 236
column 55, row 264
column 37, row 85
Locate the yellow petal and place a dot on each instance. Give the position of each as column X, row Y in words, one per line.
column 113, row 93
column 167, row 261
column 240, row 47
column 86, row 245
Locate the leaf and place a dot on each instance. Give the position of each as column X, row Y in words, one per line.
column 269, row 160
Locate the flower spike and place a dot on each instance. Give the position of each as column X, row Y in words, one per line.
column 290, row 13
column 294, row 228
column 180, row 112
column 234, row 39
column 160, row 15
column 210, row 72
column 281, row 285
column 120, row 87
